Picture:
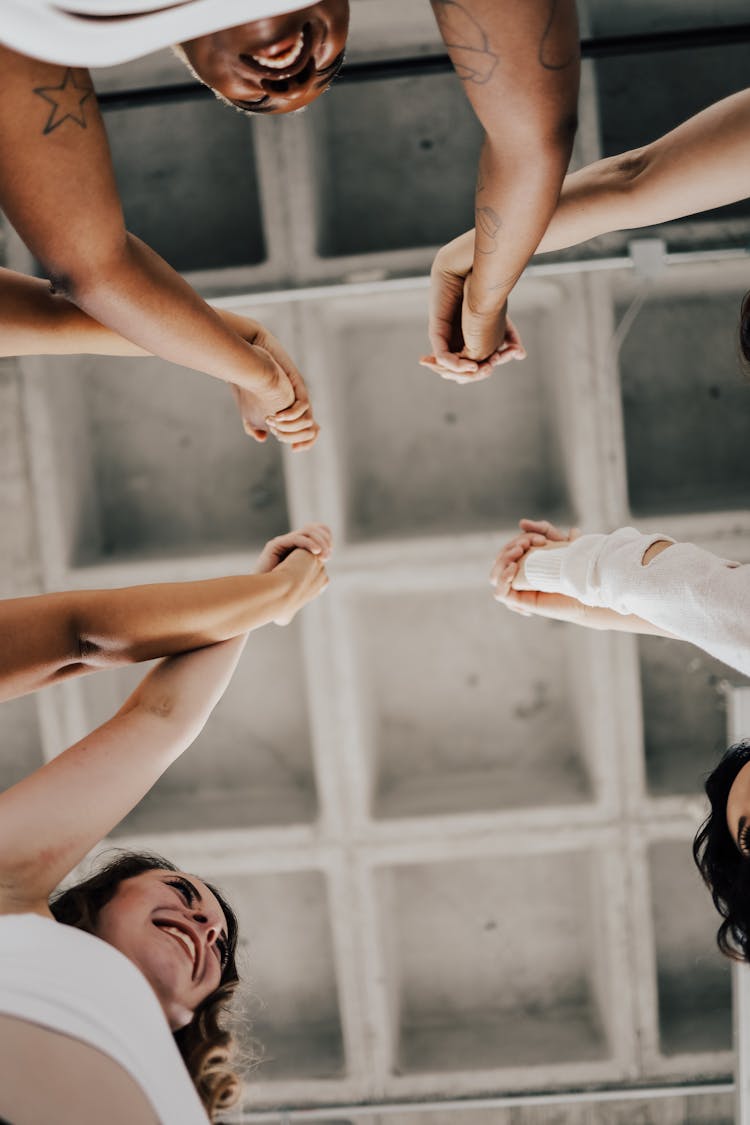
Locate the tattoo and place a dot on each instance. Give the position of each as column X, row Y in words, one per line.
column 546, row 52
column 467, row 42
column 488, row 224
column 67, row 101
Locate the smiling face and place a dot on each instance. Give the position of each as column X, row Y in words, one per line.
column 173, row 928
column 738, row 810
column 274, row 65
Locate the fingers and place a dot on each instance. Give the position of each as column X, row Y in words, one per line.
column 293, row 414
column 547, row 529
column 300, row 432
column 518, row 601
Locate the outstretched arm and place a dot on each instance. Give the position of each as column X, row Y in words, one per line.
column 519, row 64
column 703, row 163
column 682, row 590
column 35, row 321
column 55, row 636
column 57, row 188
column 52, row 819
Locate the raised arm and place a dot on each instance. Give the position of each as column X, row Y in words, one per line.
column 55, row 636
column 519, row 64
column 57, row 188
column 680, row 589
column 703, row 163
column 35, row 321
column 52, row 819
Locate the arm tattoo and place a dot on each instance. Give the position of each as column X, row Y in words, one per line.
column 546, row 51
column 67, row 101
column 466, row 41
column 488, row 224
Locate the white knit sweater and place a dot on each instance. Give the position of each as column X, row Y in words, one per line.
column 685, row 590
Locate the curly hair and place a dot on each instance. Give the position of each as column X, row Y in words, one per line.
column 207, row 1048
column 745, row 328
column 725, row 870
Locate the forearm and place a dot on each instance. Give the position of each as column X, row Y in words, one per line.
column 138, row 296
column 517, row 193
column 36, row 321
column 54, row 636
column 52, row 819
column 685, row 591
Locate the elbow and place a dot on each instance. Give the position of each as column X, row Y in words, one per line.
column 628, row 169
column 76, row 273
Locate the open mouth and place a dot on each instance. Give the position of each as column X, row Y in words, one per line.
column 185, row 939
column 270, row 62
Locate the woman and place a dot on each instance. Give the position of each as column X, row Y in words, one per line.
column 702, row 164
column 650, row 584
column 629, row 582
column 57, row 184
column 34, row 321
column 58, row 190
column 103, row 987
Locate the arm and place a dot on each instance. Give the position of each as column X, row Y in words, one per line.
column 514, row 590
column 57, row 188
column 54, row 636
column 682, row 589
column 520, row 65
column 703, row 163
column 35, row 321
column 52, row 819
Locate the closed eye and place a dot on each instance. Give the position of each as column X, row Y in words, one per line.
column 184, row 888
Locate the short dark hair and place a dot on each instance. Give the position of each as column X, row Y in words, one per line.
column 206, row 1046
column 725, row 870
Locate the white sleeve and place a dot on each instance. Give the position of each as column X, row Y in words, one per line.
column 686, row 590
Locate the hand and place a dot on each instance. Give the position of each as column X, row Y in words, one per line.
column 291, row 421
column 313, row 537
column 535, row 535
column 466, row 346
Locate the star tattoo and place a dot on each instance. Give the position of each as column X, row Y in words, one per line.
column 67, row 101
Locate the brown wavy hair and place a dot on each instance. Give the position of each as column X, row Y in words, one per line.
column 206, row 1046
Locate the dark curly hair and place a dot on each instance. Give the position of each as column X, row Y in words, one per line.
column 725, row 870
column 745, row 328
column 206, row 1047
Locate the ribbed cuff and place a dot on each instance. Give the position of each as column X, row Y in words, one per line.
column 543, row 569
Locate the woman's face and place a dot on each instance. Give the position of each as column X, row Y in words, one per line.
column 274, row 65
column 172, row 927
column 738, row 810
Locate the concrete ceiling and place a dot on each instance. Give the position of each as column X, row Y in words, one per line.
column 458, row 840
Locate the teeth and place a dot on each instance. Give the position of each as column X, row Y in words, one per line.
column 186, row 940
column 280, row 62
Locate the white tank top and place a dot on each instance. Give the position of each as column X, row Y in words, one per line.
column 74, row 983
column 73, row 32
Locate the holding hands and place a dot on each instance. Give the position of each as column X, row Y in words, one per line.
column 277, row 402
column 512, row 588
column 468, row 340
column 297, row 559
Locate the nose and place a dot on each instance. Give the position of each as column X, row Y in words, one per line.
column 210, row 929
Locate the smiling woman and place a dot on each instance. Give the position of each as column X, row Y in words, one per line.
column 106, row 984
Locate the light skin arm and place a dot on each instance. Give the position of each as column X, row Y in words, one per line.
column 514, row 591
column 57, row 188
column 35, row 321
column 52, row 637
column 519, row 64
column 702, row 164
column 52, row 819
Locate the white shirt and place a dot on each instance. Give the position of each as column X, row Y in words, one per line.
column 72, row 32
column 72, row 982
column 685, row 590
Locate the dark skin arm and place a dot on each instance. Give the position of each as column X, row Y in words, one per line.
column 57, row 188
column 519, row 64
